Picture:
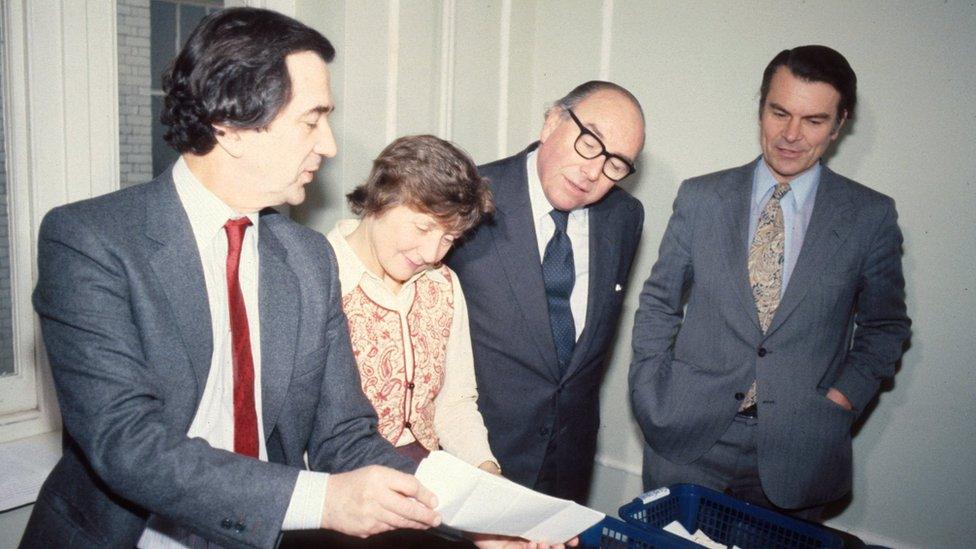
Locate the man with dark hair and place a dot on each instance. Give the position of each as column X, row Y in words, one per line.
column 775, row 309
column 544, row 284
column 198, row 346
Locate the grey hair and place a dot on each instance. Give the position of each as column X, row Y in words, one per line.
column 586, row 89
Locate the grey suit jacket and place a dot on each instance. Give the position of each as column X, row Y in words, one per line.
column 841, row 323
column 522, row 396
column 126, row 323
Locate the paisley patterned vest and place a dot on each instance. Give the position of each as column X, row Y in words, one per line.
column 403, row 399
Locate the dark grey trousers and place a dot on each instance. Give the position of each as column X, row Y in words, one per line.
column 730, row 466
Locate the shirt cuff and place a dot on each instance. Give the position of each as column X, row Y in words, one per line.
column 307, row 502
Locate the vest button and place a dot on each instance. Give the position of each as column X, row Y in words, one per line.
column 761, row 352
column 406, row 424
column 410, row 385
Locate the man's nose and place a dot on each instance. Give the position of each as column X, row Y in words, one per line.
column 593, row 167
column 325, row 143
column 793, row 131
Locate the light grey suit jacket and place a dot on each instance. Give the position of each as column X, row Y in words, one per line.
column 537, row 417
column 126, row 323
column 841, row 323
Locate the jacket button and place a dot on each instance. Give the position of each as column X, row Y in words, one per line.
column 226, row 524
column 740, row 396
column 761, row 352
column 239, row 527
column 410, row 385
column 543, row 431
column 406, row 424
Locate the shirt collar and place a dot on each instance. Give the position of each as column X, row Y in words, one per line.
column 537, row 198
column 800, row 187
column 207, row 213
column 352, row 269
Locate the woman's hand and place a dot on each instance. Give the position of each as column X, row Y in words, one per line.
column 491, row 467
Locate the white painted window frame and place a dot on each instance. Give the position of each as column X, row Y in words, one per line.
column 62, row 143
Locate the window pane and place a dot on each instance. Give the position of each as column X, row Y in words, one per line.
column 189, row 17
column 6, row 316
column 162, row 41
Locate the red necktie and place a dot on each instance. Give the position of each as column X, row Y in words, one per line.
column 245, row 417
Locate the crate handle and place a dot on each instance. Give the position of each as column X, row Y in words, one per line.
column 654, row 495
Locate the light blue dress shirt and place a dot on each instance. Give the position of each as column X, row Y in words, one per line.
column 797, row 208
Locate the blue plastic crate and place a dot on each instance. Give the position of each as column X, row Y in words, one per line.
column 611, row 533
column 724, row 519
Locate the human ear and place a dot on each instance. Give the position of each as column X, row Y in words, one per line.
column 553, row 118
column 838, row 125
column 229, row 139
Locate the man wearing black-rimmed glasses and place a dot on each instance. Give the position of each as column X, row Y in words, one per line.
column 544, row 284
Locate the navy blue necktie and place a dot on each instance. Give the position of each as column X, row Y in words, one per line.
column 559, row 275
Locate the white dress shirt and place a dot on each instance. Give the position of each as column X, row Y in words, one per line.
column 214, row 419
column 578, row 230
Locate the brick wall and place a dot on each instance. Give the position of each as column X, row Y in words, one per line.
column 135, row 112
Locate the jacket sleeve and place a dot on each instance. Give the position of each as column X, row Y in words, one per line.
column 882, row 326
column 113, row 407
column 660, row 310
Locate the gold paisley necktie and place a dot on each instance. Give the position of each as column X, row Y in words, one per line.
column 766, row 267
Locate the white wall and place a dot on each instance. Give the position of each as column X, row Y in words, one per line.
column 441, row 66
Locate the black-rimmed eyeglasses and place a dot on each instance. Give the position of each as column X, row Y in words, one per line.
column 589, row 146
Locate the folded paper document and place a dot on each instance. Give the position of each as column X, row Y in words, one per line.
column 476, row 501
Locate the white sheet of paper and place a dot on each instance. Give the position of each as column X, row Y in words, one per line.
column 698, row 537
column 476, row 501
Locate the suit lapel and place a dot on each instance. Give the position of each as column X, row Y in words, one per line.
column 280, row 310
column 736, row 194
column 830, row 224
column 513, row 233
column 604, row 257
column 180, row 274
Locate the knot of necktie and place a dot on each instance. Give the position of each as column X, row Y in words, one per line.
column 561, row 219
column 235, row 231
column 781, row 190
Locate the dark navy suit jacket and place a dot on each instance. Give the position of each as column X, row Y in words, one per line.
column 536, row 417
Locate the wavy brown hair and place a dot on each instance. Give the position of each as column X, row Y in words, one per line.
column 430, row 175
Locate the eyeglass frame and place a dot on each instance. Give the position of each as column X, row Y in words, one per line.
column 603, row 150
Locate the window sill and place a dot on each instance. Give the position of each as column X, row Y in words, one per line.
column 24, row 465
